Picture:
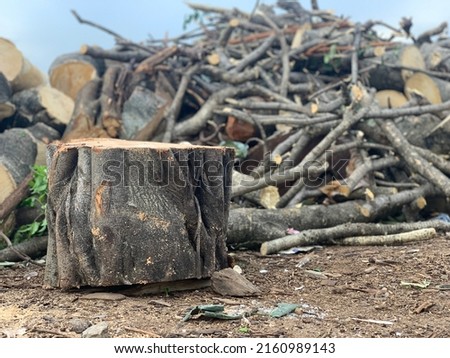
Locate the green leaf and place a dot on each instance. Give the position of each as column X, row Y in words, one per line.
column 42, row 226
column 330, row 55
column 37, row 199
column 34, row 227
column 244, row 330
column 28, row 202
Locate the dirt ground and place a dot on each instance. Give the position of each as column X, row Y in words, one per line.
column 336, row 289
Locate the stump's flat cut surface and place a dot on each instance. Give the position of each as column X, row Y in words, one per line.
column 124, row 212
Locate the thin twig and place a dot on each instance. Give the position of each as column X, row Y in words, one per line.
column 97, row 26
column 17, row 252
column 284, row 85
column 48, row 331
column 137, row 330
column 356, row 46
column 175, row 108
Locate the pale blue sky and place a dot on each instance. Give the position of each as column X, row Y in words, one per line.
column 44, row 29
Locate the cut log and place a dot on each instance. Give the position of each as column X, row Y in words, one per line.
column 19, row 193
column 254, row 226
column 17, row 69
column 7, row 109
column 422, row 86
column 334, row 235
column 267, row 197
column 43, row 135
column 393, row 77
column 112, row 97
column 44, row 105
column 21, row 147
column 69, row 73
column 8, row 225
column 87, row 105
column 437, row 58
column 394, row 239
column 419, row 130
column 444, row 88
column 34, row 248
column 17, row 156
column 390, row 99
column 139, row 110
column 125, row 212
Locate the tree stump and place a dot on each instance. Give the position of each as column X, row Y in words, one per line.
column 125, row 212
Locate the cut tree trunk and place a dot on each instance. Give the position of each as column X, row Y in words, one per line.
column 69, row 73
column 125, row 212
column 20, row 73
column 44, row 105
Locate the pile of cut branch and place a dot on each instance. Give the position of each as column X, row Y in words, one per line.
column 333, row 122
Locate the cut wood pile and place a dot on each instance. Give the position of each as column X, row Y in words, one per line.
column 337, row 125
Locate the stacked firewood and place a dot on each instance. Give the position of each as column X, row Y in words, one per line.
column 333, row 122
column 32, row 114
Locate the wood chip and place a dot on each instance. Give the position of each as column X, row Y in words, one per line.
column 370, row 269
column 424, row 307
column 316, row 274
column 226, row 301
column 147, row 333
column 160, row 303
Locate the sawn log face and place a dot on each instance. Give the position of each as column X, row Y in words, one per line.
column 132, row 212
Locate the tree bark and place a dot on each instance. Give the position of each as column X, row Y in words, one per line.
column 123, row 212
column 44, row 105
column 254, row 226
column 17, row 155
